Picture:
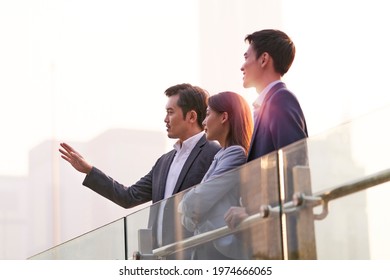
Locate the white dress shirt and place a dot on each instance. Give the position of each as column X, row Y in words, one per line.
column 183, row 151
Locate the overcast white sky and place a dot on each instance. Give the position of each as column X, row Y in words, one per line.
column 71, row 69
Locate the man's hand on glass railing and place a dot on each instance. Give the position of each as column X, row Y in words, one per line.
column 234, row 216
column 75, row 159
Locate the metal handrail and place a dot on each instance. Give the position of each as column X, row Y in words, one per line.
column 206, row 236
column 321, row 198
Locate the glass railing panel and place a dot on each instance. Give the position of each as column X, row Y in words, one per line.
column 357, row 226
column 138, row 232
column 191, row 225
column 104, row 243
column 297, row 227
column 350, row 151
column 259, row 187
column 354, row 225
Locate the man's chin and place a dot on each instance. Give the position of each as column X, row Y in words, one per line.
column 171, row 136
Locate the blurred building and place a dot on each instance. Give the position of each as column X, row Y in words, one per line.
column 50, row 205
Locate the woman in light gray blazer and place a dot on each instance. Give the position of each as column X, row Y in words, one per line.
column 228, row 121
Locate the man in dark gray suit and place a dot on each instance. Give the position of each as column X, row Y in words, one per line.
column 175, row 171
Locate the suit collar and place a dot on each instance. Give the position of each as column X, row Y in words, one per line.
column 165, row 171
column 273, row 90
column 187, row 165
column 189, row 143
column 259, row 112
column 260, row 99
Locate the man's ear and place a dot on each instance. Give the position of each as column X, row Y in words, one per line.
column 192, row 116
column 264, row 59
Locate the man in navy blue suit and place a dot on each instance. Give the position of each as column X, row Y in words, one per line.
column 279, row 120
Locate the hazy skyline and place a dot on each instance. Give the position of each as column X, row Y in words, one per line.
column 73, row 69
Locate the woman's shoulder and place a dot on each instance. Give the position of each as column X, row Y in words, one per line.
column 235, row 148
column 232, row 151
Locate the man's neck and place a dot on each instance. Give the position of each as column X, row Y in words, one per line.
column 265, row 81
column 189, row 135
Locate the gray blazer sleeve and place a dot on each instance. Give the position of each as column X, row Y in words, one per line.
column 198, row 202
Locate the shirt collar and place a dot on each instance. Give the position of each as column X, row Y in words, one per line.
column 259, row 100
column 188, row 144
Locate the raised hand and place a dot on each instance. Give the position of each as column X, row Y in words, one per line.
column 74, row 158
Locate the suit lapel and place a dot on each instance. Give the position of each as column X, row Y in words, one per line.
column 259, row 112
column 187, row 165
column 165, row 171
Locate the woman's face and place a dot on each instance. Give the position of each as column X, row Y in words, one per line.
column 214, row 125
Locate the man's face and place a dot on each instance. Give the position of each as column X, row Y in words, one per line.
column 177, row 126
column 251, row 69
